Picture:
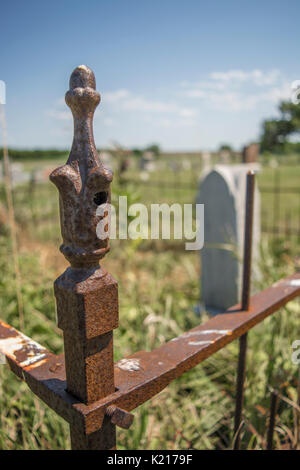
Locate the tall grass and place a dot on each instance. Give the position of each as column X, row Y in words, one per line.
column 158, row 293
column 159, row 290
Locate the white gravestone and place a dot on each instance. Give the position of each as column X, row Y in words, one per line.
column 223, row 191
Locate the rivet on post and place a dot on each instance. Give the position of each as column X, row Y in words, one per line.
column 86, row 295
column 119, row 417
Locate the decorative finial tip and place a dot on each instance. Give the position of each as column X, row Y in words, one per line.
column 82, row 96
column 84, row 183
column 82, row 77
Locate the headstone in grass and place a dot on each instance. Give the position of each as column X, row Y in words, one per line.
column 222, row 191
column 251, row 153
column 147, row 162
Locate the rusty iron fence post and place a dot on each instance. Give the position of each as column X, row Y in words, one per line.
column 241, row 369
column 86, row 295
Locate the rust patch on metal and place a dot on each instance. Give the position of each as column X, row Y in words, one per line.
column 83, row 178
column 129, row 365
column 20, row 348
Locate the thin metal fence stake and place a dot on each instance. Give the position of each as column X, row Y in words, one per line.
column 273, row 411
column 241, row 369
column 241, row 372
column 276, row 202
column 298, row 414
column 247, row 260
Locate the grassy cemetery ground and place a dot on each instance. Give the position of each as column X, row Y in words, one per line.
column 170, row 182
column 158, row 291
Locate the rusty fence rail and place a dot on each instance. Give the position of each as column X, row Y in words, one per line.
column 83, row 385
column 142, row 375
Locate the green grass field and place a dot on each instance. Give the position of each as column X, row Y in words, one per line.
column 279, row 211
column 158, row 290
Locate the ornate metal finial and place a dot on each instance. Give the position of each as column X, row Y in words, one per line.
column 83, row 182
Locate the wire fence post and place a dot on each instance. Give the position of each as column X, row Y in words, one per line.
column 86, row 295
column 241, row 370
column 11, row 215
column 272, row 418
column 276, row 202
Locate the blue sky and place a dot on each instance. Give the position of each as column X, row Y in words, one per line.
column 188, row 75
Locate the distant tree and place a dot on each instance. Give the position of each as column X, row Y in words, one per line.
column 137, row 152
column 225, row 147
column 276, row 132
column 154, row 148
column 36, row 154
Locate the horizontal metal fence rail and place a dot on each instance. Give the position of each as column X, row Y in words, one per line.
column 141, row 375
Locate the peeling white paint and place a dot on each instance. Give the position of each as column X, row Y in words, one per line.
column 11, row 345
column 216, row 332
column 295, row 283
column 199, row 343
column 129, row 364
column 33, row 360
column 202, row 332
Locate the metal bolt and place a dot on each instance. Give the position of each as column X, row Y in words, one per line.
column 119, row 417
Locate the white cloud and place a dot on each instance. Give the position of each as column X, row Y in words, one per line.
column 125, row 100
column 187, row 115
column 121, row 107
column 194, row 93
column 265, row 78
column 203, row 84
column 177, row 123
column 187, row 112
column 238, row 75
column 60, row 114
column 115, row 96
column 256, row 76
column 276, row 94
column 139, row 103
column 238, row 90
column 231, row 101
column 109, row 122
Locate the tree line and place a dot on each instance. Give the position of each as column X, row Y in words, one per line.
column 280, row 135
